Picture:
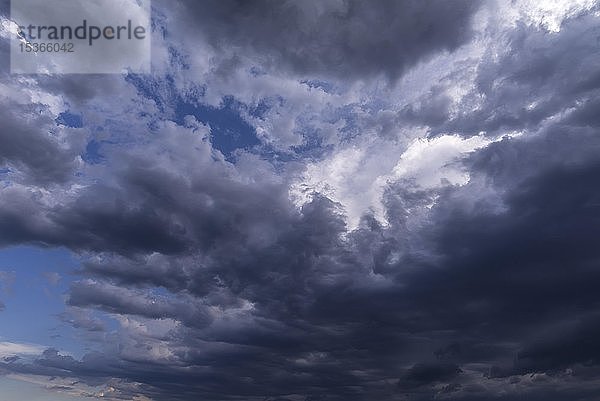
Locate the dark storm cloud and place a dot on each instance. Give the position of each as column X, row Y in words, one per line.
column 99, row 226
column 148, row 209
column 338, row 317
column 29, row 146
column 493, row 295
column 422, row 374
column 321, row 325
column 115, row 299
column 331, row 38
column 34, row 149
column 564, row 347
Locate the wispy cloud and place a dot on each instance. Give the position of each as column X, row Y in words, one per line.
column 8, row 349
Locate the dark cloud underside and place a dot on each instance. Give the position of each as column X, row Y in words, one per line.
column 334, row 38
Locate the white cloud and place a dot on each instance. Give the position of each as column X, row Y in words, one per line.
column 551, row 13
column 8, row 349
column 357, row 176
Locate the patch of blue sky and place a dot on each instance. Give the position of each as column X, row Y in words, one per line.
column 92, row 153
column 260, row 110
column 69, row 119
column 34, row 291
column 352, row 127
column 116, row 133
column 229, row 130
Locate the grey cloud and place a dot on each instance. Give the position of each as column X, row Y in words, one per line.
column 128, row 302
column 80, row 89
column 566, row 347
column 29, row 146
column 6, row 281
column 465, row 291
column 423, row 374
column 82, row 319
column 531, row 81
column 269, row 301
column 146, row 210
column 486, row 280
column 338, row 39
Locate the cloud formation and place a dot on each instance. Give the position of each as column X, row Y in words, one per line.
column 448, row 251
column 333, row 38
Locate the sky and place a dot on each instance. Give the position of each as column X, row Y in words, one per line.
column 317, row 200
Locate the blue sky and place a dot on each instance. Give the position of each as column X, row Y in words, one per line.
column 33, row 292
column 33, row 300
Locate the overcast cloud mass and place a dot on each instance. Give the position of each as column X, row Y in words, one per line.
column 311, row 201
